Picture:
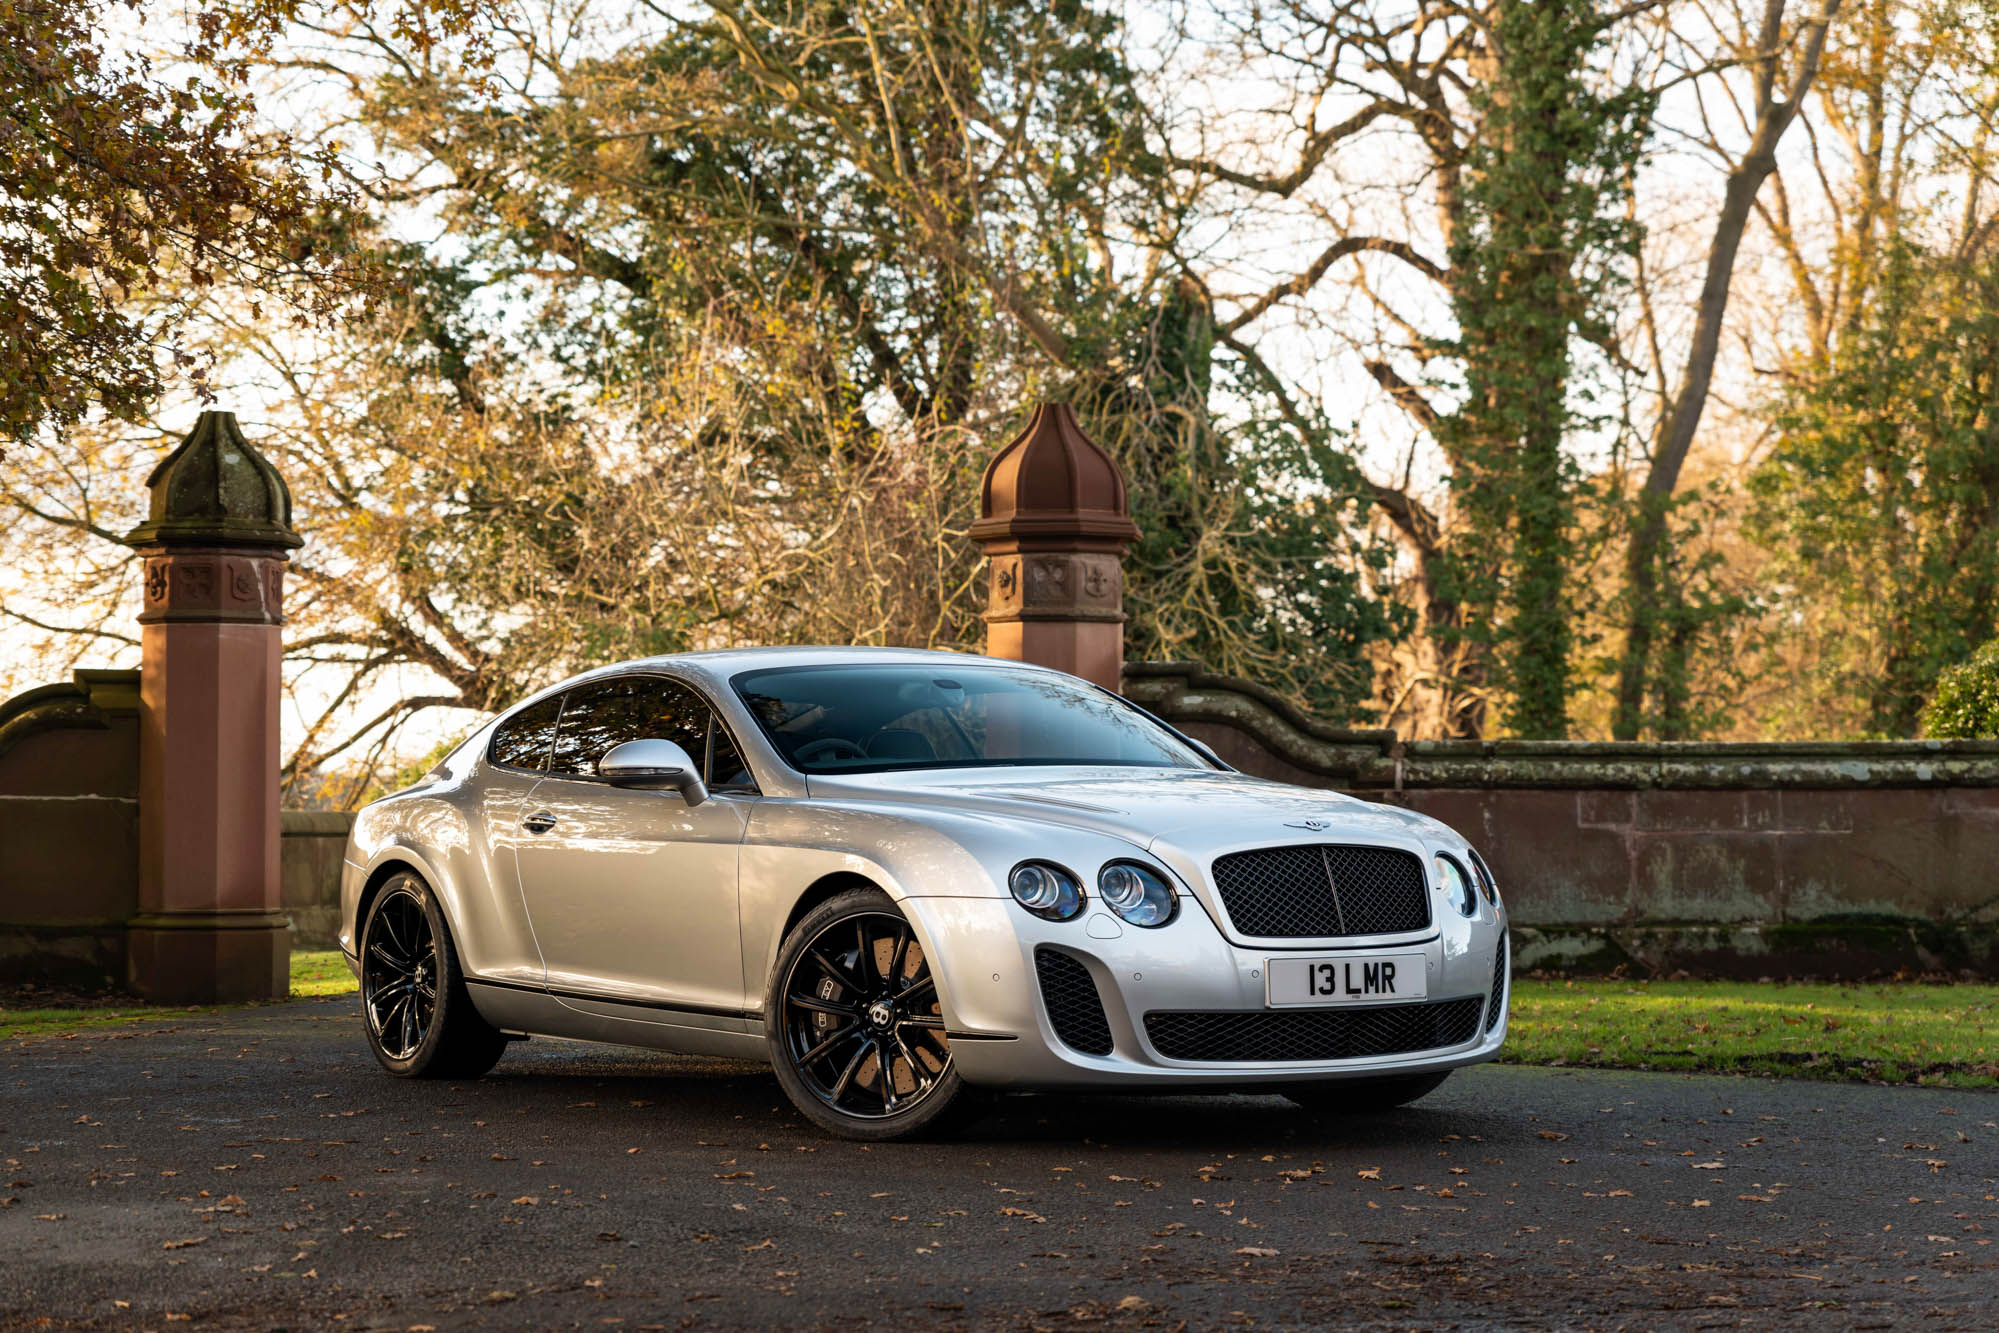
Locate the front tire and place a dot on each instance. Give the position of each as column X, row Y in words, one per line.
column 855, row 1027
column 1362, row 1096
column 419, row 1018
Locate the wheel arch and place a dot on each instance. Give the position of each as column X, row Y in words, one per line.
column 390, row 866
column 395, row 859
column 824, row 889
column 799, row 856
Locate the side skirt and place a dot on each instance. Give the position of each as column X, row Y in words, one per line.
column 519, row 1008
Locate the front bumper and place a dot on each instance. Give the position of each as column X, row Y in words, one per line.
column 982, row 951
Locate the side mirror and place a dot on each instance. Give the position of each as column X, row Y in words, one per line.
column 653, row 765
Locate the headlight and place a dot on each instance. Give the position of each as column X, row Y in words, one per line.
column 1046, row 890
column 1486, row 883
column 1138, row 893
column 1457, row 885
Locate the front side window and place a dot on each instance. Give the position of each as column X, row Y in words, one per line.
column 522, row 741
column 726, row 769
column 607, row 713
column 875, row 718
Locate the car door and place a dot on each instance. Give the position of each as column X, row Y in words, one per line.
column 632, row 895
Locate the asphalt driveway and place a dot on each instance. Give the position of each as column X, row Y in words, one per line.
column 254, row 1169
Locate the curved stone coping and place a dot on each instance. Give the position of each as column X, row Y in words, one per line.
column 89, row 700
column 1183, row 692
column 1187, row 689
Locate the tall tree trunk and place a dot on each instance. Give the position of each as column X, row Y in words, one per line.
column 1540, row 633
column 1646, row 609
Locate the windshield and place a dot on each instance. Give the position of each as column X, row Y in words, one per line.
column 872, row 718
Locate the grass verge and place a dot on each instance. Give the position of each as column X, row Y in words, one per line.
column 314, row 973
column 321, row 972
column 1937, row 1035
column 1934, row 1034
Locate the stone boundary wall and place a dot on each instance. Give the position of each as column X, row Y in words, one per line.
column 309, row 855
column 69, row 828
column 69, row 836
column 1845, row 859
column 1826, row 859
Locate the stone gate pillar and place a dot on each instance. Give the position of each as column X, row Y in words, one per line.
column 1053, row 524
column 209, row 926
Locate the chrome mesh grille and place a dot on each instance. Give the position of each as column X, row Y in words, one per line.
column 1312, row 1034
column 1501, row 966
column 1320, row 892
column 1075, row 1010
column 1381, row 891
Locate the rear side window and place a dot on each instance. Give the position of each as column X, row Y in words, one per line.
column 607, row 713
column 523, row 740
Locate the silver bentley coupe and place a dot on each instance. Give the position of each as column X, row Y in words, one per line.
column 904, row 878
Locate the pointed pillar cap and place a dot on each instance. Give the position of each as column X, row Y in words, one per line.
column 1053, row 484
column 216, row 490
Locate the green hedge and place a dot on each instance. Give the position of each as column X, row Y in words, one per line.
column 1966, row 703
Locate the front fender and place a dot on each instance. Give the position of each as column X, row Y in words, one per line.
column 946, row 871
column 790, row 846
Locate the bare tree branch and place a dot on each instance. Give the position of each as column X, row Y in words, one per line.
column 1338, row 250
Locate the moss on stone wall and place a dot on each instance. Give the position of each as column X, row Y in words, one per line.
column 1182, row 692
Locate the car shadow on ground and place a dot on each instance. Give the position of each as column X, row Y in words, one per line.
column 1207, row 1123
column 544, row 1074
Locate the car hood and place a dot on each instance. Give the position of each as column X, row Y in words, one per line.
column 1184, row 816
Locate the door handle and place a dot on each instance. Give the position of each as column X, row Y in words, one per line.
column 539, row 822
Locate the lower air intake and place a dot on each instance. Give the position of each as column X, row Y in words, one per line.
column 1290, row 1035
column 1075, row 1010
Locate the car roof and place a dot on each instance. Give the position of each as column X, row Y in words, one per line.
column 743, row 659
column 716, row 666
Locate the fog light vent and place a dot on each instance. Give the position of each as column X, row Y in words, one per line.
column 1075, row 1010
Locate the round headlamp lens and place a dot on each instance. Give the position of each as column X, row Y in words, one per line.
column 1046, row 890
column 1137, row 893
column 1457, row 885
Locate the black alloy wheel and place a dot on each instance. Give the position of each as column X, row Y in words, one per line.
column 421, row 1023
column 857, row 1030
column 399, row 974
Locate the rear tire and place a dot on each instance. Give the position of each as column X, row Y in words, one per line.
column 1362, row 1096
column 414, row 1006
column 855, row 1028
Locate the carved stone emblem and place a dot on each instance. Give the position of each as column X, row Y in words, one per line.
column 196, row 581
column 1005, row 598
column 1047, row 579
column 228, row 587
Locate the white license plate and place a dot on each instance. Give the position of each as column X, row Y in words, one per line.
column 1353, row 979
